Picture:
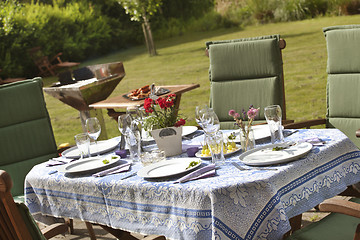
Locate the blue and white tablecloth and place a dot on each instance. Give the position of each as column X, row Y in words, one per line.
column 232, row 205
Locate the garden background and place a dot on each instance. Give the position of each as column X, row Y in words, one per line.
column 100, row 31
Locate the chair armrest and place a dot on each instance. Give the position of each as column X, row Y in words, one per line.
column 358, row 133
column 54, row 229
column 305, row 124
column 57, row 57
column 340, row 206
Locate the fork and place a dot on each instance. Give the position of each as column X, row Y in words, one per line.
column 253, row 168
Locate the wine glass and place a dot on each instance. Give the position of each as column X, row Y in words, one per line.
column 199, row 112
column 93, row 128
column 211, row 123
column 273, row 117
column 82, row 141
column 130, row 133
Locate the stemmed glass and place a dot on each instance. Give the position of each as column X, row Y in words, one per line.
column 207, row 119
column 93, row 128
column 273, row 117
column 82, row 141
column 129, row 130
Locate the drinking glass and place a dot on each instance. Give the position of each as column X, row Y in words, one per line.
column 211, row 123
column 93, row 128
column 83, row 143
column 273, row 117
column 207, row 119
column 215, row 143
column 130, row 131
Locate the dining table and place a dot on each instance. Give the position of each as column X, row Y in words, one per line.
column 255, row 202
column 122, row 101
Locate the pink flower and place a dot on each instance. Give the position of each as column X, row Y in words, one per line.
column 252, row 113
column 237, row 115
column 232, row 112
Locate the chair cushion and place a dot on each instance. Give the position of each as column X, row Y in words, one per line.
column 30, row 222
column 334, row 226
column 25, row 129
column 343, row 96
column 343, row 49
column 240, row 95
column 348, row 126
column 258, row 59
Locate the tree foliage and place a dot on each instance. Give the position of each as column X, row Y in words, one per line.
column 141, row 11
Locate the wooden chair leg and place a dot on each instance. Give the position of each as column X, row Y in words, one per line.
column 71, row 225
column 90, row 230
column 357, row 233
column 295, row 222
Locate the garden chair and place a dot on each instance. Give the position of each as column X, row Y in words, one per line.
column 342, row 223
column 343, row 82
column 26, row 134
column 9, row 80
column 48, row 66
column 246, row 72
column 16, row 221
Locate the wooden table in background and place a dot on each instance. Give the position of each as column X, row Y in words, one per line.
column 121, row 102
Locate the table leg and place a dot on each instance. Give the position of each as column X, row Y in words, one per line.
column 90, row 230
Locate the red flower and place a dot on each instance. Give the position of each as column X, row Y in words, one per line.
column 179, row 123
column 161, row 102
column 148, row 105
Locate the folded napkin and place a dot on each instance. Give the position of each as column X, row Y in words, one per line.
column 185, row 146
column 58, row 161
column 118, row 169
column 204, row 172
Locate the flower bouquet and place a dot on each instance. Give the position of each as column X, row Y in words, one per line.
column 164, row 123
column 247, row 138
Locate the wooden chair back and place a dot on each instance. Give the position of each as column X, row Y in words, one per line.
column 12, row 225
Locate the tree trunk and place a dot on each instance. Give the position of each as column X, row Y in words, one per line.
column 148, row 37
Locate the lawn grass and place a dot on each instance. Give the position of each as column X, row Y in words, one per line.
column 181, row 60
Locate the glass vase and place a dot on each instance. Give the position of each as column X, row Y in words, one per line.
column 247, row 139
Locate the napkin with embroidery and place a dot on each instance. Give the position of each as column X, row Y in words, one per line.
column 204, row 172
column 118, row 169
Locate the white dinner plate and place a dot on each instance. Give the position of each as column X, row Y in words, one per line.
column 89, row 164
column 198, row 154
column 95, row 149
column 265, row 155
column 185, row 131
column 260, row 132
column 168, row 168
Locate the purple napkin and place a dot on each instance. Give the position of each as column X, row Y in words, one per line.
column 57, row 161
column 207, row 171
column 118, row 169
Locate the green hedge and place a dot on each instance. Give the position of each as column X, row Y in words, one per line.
column 78, row 29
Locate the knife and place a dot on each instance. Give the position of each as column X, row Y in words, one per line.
column 128, row 176
column 253, row 168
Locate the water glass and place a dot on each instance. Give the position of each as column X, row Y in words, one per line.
column 83, row 143
column 273, row 117
column 215, row 143
column 93, row 128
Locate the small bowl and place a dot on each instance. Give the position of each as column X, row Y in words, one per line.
column 192, row 151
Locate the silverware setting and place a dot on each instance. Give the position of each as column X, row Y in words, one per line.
column 128, row 176
column 253, row 168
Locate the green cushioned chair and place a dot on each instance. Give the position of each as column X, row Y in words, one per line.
column 16, row 221
column 246, row 72
column 343, row 223
column 26, row 134
column 343, row 81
